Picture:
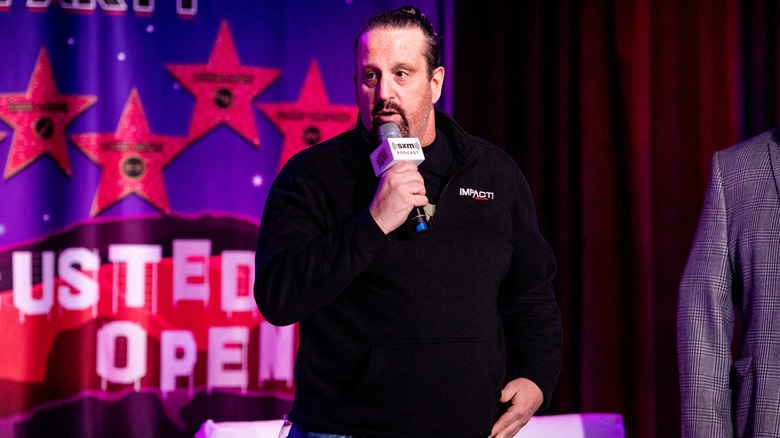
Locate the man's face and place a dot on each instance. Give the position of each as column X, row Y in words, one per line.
column 392, row 84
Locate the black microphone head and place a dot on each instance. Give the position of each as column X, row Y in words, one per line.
column 388, row 130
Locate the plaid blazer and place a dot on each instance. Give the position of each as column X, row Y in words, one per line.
column 734, row 263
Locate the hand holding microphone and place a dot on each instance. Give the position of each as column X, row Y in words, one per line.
column 401, row 187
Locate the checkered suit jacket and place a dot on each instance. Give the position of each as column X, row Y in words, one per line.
column 734, row 262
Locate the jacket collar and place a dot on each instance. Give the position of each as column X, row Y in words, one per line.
column 463, row 149
column 456, row 135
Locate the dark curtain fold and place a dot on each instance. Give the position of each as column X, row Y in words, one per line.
column 613, row 109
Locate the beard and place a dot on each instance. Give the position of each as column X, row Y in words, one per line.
column 403, row 125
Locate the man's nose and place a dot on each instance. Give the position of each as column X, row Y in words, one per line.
column 384, row 90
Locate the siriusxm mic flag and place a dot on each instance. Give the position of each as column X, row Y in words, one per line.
column 138, row 140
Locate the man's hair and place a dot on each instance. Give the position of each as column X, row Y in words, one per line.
column 404, row 18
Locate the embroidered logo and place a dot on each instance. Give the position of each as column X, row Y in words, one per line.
column 479, row 195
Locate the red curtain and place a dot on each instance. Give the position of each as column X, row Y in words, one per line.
column 613, row 110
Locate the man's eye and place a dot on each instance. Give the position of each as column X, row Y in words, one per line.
column 402, row 74
column 370, row 76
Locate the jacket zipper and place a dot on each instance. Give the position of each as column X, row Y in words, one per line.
column 444, row 190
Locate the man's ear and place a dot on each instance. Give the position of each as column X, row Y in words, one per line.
column 437, row 81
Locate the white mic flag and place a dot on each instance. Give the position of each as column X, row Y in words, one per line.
column 394, row 149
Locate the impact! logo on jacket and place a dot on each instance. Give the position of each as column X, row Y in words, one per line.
column 479, row 195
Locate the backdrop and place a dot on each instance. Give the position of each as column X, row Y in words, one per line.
column 138, row 141
column 613, row 108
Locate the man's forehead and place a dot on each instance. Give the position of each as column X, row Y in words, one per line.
column 409, row 32
column 410, row 40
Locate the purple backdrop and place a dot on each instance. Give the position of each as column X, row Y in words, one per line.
column 138, row 142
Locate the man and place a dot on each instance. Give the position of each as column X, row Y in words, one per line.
column 734, row 263
column 405, row 334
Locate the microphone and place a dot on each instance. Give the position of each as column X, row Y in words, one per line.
column 393, row 149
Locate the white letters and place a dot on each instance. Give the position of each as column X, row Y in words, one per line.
column 228, row 358
column 477, row 194
column 83, row 290
column 113, row 5
column 277, row 352
column 121, row 353
column 143, row 6
column 36, row 4
column 75, row 280
column 191, row 270
column 135, row 258
column 185, row 8
column 78, row 5
column 78, row 270
column 23, row 280
column 173, row 364
column 91, row 5
column 238, row 276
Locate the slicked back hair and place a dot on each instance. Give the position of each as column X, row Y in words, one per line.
column 404, row 18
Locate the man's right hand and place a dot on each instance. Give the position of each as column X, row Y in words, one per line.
column 401, row 188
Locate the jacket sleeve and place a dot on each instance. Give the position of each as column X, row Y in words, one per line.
column 705, row 320
column 303, row 262
column 529, row 311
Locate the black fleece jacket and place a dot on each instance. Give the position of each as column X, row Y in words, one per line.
column 407, row 335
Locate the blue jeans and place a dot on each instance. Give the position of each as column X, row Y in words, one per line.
column 300, row 432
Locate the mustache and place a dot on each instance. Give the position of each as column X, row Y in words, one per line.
column 388, row 106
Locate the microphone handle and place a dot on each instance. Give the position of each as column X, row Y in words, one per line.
column 418, row 220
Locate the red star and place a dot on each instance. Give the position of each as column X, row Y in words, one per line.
column 132, row 159
column 39, row 118
column 223, row 89
column 310, row 120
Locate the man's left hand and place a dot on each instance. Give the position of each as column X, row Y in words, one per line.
column 526, row 398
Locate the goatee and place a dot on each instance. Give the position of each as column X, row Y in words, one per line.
column 403, row 126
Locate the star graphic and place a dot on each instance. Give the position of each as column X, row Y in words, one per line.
column 223, row 89
column 132, row 159
column 311, row 119
column 39, row 117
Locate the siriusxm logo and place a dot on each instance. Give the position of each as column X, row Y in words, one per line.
column 405, row 146
column 479, row 195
